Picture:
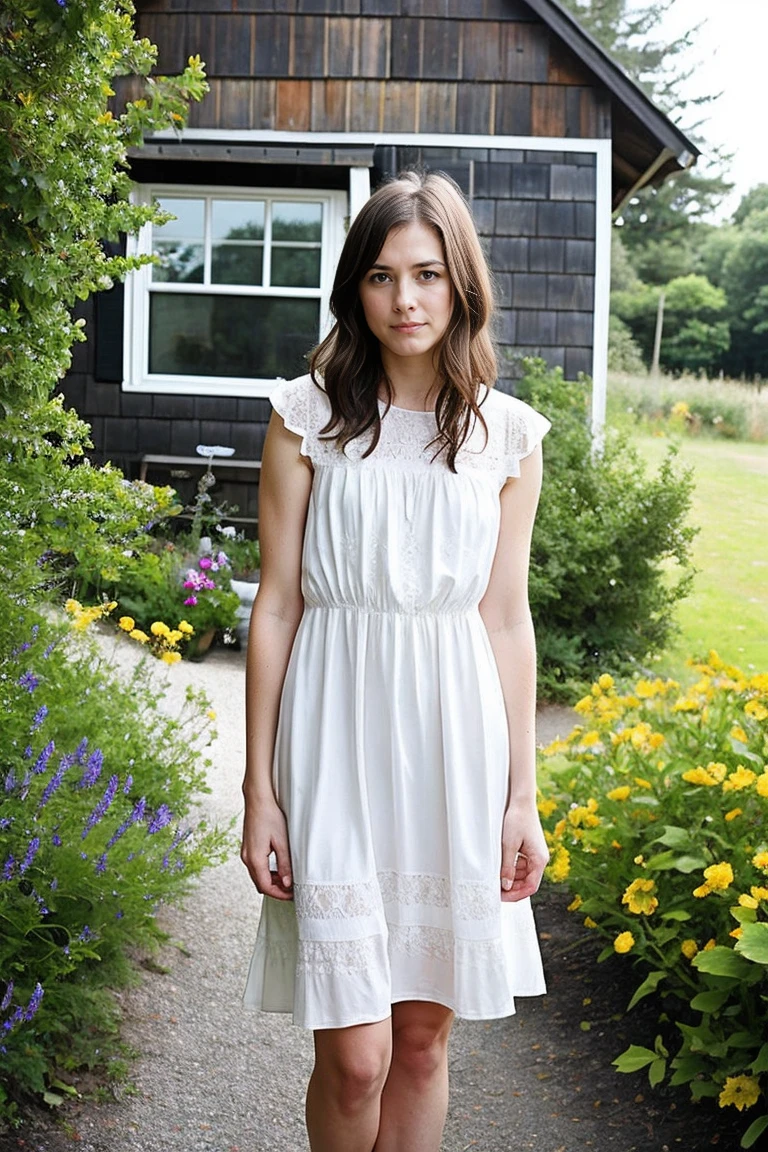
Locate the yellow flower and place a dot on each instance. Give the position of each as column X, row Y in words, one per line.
column 137, row 634
column 656, row 739
column 158, row 628
column 734, row 812
column 170, row 657
column 605, row 681
column 686, row 704
column 589, row 739
column 546, row 806
column 747, row 901
column 762, row 785
column 756, row 710
column 560, row 865
column 641, row 783
column 583, row 816
column 738, row 733
column 702, row 890
column 639, row 859
column 616, row 844
column 174, row 636
column 105, row 118
column 211, row 714
column 743, row 1091
column 736, row 933
column 624, row 942
column 589, row 922
column 679, row 408
column 127, row 623
column 759, row 893
column 575, row 904
column 714, row 773
column 555, row 747
column 639, row 897
column 710, row 944
column 740, row 779
column 72, row 606
column 689, row 948
column 584, row 706
column 620, row 793
column 719, row 876
column 186, row 628
column 760, row 682
column 760, row 860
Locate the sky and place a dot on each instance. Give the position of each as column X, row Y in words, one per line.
column 729, row 56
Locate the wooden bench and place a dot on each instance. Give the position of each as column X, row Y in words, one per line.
column 216, row 463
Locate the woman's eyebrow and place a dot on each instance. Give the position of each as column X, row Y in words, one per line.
column 419, row 264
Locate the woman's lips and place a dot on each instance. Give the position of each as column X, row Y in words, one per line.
column 407, row 327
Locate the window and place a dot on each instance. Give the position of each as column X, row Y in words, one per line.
column 240, row 291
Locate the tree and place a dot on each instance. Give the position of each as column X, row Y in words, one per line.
column 696, row 332
column 754, row 201
column 745, row 280
column 63, row 172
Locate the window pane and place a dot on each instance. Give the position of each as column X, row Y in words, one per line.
column 237, row 220
column 179, row 262
column 201, row 335
column 237, row 263
column 179, row 243
column 297, row 221
column 296, row 267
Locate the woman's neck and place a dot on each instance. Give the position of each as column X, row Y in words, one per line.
column 412, row 382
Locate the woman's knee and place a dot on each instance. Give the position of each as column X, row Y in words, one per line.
column 353, row 1068
column 420, row 1040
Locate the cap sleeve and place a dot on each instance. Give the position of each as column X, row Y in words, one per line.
column 526, row 428
column 297, row 403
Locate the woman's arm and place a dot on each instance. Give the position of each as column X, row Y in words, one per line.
column 507, row 617
column 286, row 482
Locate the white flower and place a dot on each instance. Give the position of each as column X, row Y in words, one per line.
column 210, row 450
column 230, row 531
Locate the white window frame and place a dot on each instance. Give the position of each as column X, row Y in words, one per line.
column 136, row 374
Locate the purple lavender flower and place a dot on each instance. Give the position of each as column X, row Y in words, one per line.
column 34, row 1002
column 49, row 649
column 92, row 768
column 162, row 817
column 101, row 808
column 10, row 780
column 42, row 761
column 55, row 781
column 8, row 868
column 5, row 1003
column 56, row 840
column 32, row 850
column 128, row 785
column 39, row 716
column 136, row 815
column 21, row 648
column 86, row 934
column 13, row 1020
column 53, row 884
column 81, row 750
column 5, row 822
column 101, row 864
column 29, row 681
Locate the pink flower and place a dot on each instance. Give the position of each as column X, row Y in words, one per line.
column 191, row 600
column 204, row 562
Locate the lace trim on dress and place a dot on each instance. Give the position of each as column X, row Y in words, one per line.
column 469, row 900
column 329, row 957
column 336, row 901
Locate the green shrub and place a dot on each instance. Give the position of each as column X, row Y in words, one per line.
column 656, row 816
column 602, row 588
column 97, row 830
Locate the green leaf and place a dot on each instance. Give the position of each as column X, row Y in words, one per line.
column 756, row 1128
column 709, row 1001
column 660, row 862
column 701, row 1088
column 674, row 837
column 744, row 1039
column 634, row 1059
column 754, row 942
column 686, row 1068
column 676, row 914
column 53, row 1098
column 690, row 863
column 649, row 985
column 760, row 1063
column 722, row 961
column 657, row 1071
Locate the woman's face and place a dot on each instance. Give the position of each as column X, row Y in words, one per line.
column 407, row 295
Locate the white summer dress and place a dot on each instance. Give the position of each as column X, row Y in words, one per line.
column 391, row 756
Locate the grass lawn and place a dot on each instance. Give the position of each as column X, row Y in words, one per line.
column 728, row 608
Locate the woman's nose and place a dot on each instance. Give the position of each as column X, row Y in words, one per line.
column 404, row 297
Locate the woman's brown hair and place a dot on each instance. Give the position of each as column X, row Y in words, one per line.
column 349, row 359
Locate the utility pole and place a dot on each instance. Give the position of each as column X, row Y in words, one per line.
column 657, row 337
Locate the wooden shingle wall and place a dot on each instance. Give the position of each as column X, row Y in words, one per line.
column 470, row 66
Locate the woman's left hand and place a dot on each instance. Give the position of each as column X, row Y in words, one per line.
column 524, row 853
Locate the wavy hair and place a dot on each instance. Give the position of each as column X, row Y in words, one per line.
column 349, row 358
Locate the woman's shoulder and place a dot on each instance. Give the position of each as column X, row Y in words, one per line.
column 301, row 403
column 514, row 427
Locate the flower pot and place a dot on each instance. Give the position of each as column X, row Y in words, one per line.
column 246, row 591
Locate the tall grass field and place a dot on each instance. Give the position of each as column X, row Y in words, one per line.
column 728, row 608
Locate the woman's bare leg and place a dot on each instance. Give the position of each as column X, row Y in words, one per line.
column 414, row 1102
column 344, row 1093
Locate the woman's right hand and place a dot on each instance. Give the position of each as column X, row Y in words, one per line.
column 265, row 831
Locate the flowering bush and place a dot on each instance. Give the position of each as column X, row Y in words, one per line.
column 96, row 830
column 656, row 818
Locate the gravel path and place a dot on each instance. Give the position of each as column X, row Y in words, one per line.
column 213, row 1078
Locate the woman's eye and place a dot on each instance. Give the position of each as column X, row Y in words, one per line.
column 428, row 274
column 378, row 278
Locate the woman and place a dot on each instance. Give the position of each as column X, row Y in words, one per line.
column 390, row 799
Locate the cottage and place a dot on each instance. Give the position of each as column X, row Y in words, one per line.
column 312, row 104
